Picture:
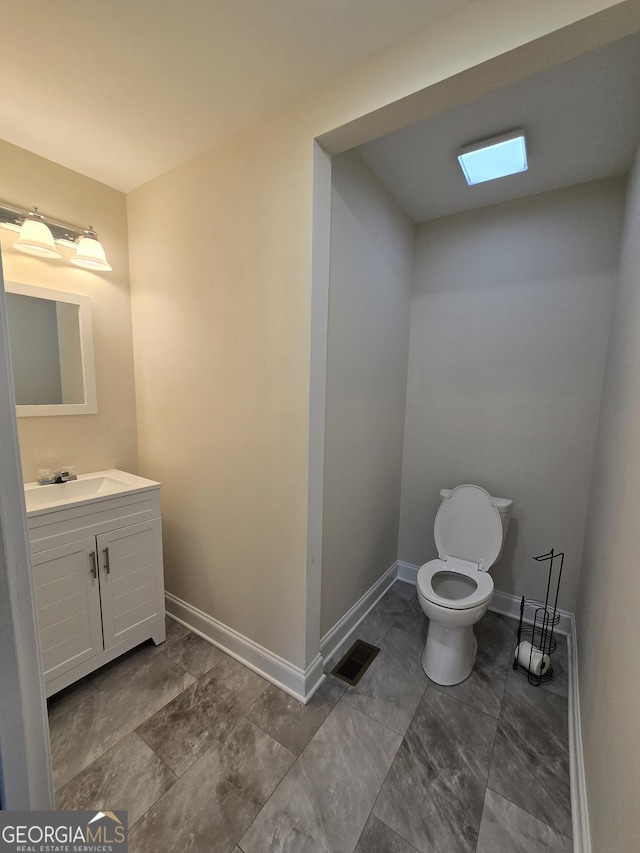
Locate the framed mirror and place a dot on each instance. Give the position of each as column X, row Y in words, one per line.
column 51, row 345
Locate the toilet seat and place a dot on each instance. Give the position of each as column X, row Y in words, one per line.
column 476, row 597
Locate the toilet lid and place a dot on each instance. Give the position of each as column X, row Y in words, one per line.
column 468, row 526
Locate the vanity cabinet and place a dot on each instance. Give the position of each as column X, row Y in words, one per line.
column 98, row 579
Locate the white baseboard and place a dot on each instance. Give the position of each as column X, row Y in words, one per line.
column 407, row 572
column 509, row 605
column 502, row 602
column 336, row 636
column 299, row 683
column 579, row 807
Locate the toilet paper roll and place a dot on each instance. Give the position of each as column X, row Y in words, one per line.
column 532, row 659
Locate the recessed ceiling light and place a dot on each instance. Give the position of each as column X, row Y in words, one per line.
column 494, row 158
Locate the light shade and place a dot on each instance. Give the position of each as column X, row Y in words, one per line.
column 36, row 239
column 90, row 253
column 494, row 158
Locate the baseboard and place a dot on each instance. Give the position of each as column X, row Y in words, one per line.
column 336, row 636
column 407, row 572
column 297, row 682
column 579, row 807
column 509, row 605
column 502, row 602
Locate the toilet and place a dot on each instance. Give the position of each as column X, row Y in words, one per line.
column 455, row 590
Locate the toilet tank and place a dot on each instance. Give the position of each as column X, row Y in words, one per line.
column 504, row 507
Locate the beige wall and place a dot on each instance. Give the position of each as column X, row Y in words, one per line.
column 372, row 242
column 221, row 323
column 607, row 612
column 107, row 439
column 221, row 272
column 509, row 328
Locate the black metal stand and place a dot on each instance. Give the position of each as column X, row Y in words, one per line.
column 537, row 621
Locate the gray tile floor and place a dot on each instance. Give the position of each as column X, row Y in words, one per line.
column 207, row 756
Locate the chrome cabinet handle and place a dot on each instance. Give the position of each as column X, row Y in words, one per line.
column 94, row 564
column 107, row 565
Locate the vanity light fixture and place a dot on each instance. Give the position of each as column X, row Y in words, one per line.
column 90, row 253
column 39, row 234
column 36, row 238
column 494, row 158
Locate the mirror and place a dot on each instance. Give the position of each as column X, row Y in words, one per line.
column 51, row 351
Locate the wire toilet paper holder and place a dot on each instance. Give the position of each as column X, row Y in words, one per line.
column 538, row 619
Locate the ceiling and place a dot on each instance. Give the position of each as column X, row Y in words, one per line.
column 124, row 90
column 582, row 123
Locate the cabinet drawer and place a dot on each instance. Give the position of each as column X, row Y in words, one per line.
column 68, row 524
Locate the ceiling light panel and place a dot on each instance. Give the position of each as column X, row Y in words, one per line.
column 494, row 158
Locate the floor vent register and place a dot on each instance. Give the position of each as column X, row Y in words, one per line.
column 356, row 662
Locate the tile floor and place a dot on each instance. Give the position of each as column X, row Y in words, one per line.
column 208, row 756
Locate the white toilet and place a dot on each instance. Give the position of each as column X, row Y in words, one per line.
column 456, row 589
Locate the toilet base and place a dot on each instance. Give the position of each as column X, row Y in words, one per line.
column 449, row 654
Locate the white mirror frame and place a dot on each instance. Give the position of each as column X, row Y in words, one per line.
column 90, row 406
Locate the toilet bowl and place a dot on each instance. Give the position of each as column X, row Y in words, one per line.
column 455, row 590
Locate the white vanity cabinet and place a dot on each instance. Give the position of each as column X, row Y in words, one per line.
column 98, row 577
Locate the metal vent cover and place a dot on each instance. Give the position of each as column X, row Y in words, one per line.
column 356, row 662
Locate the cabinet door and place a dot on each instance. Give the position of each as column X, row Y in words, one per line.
column 131, row 580
column 68, row 605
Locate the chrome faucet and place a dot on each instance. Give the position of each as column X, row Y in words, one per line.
column 64, row 476
column 47, row 477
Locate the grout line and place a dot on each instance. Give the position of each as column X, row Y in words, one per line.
column 375, row 802
column 126, row 733
column 368, row 716
column 500, row 719
column 97, row 758
column 243, row 716
column 157, row 754
column 469, row 703
column 298, row 757
column 402, row 737
column 266, row 734
column 490, row 763
column 176, row 779
column 73, row 707
column 384, row 823
column 344, row 697
column 526, row 811
column 272, row 794
column 460, row 700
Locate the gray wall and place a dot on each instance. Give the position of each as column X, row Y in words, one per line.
column 509, row 329
column 372, row 242
column 71, row 368
column 607, row 613
column 35, row 353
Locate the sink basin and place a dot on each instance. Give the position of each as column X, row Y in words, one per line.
column 88, row 487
